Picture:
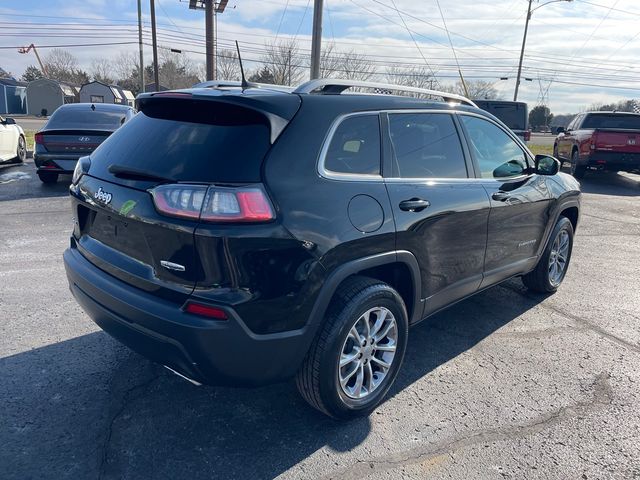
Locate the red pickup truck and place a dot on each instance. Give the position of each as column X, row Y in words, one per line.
column 600, row 140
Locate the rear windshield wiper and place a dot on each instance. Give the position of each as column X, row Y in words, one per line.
column 131, row 173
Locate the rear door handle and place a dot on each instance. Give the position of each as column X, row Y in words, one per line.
column 414, row 205
column 501, row 196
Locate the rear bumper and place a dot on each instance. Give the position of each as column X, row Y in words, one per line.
column 614, row 160
column 206, row 351
column 50, row 162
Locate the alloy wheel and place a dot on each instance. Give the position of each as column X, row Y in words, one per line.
column 22, row 149
column 558, row 258
column 368, row 353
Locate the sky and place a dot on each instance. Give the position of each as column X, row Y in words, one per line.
column 578, row 53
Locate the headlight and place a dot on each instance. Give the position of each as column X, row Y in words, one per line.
column 82, row 167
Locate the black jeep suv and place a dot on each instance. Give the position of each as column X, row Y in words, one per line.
column 249, row 235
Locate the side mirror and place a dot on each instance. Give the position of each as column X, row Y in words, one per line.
column 9, row 121
column 546, row 165
column 560, row 130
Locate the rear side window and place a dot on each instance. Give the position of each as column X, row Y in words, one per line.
column 190, row 142
column 611, row 120
column 74, row 118
column 355, row 146
column 512, row 114
column 426, row 145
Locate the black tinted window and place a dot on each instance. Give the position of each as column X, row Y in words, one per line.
column 229, row 148
column 612, row 120
column 355, row 146
column 498, row 155
column 75, row 118
column 426, row 145
column 512, row 114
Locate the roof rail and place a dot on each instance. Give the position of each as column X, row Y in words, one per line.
column 238, row 84
column 330, row 86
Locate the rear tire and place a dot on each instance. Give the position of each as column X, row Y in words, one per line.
column 554, row 262
column 48, row 177
column 578, row 171
column 366, row 327
column 555, row 154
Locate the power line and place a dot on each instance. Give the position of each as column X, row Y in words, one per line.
column 281, row 19
column 414, row 40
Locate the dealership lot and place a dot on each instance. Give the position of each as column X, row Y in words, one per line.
column 504, row 385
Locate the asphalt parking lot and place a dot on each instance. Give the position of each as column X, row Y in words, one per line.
column 507, row 384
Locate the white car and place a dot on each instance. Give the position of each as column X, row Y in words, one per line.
column 13, row 146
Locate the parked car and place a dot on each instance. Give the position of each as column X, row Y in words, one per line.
column 600, row 140
column 13, row 146
column 74, row 130
column 249, row 235
column 514, row 115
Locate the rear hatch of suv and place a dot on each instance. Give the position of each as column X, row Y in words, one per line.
column 184, row 160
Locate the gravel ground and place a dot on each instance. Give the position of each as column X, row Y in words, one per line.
column 507, row 384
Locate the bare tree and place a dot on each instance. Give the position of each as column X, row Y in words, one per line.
column 176, row 70
column 227, row 65
column 418, row 76
column 330, row 62
column 63, row 66
column 479, row 89
column 102, row 70
column 284, row 62
column 355, row 66
column 60, row 60
column 126, row 65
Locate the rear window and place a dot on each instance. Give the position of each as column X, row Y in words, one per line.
column 79, row 119
column 189, row 141
column 512, row 114
column 631, row 122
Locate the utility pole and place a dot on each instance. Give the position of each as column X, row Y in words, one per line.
column 524, row 41
column 154, row 41
column 141, row 68
column 211, row 10
column 316, row 39
column 209, row 23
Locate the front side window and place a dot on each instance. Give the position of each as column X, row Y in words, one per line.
column 498, row 155
column 426, row 145
column 355, row 147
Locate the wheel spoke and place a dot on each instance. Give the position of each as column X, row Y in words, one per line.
column 380, row 362
column 353, row 333
column 357, row 388
column 382, row 316
column 369, row 378
column 385, row 348
column 347, row 359
column 344, row 380
column 366, row 318
column 384, row 332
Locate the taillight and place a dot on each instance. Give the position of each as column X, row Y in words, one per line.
column 205, row 311
column 82, row 167
column 213, row 203
column 527, row 135
column 39, row 138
